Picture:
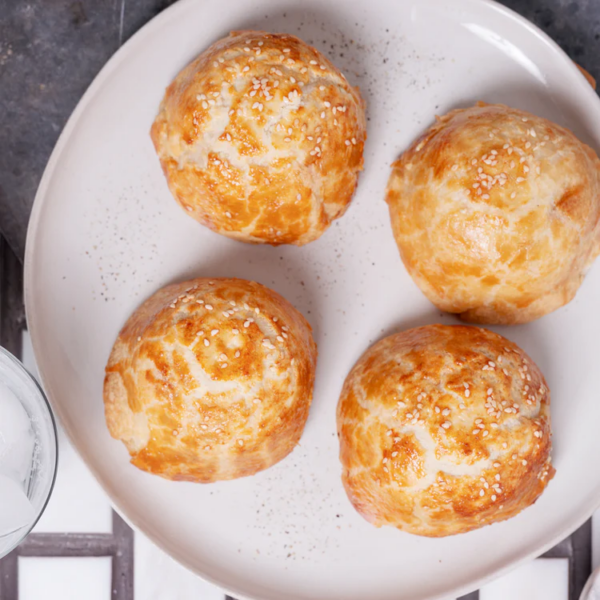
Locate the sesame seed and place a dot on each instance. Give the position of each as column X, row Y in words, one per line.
column 389, row 432
column 437, row 409
column 482, row 492
column 206, row 342
column 493, row 497
column 347, row 142
column 446, row 425
column 446, row 412
column 241, row 442
column 279, row 338
column 524, row 462
column 214, row 332
column 209, row 307
column 247, row 324
column 467, row 393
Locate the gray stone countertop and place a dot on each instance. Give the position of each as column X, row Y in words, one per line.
column 51, row 50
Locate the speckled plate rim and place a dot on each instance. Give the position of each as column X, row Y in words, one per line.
column 122, row 54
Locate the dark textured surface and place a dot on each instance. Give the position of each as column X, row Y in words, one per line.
column 50, row 51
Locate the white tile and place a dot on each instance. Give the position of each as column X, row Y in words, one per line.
column 540, row 579
column 158, row 576
column 596, row 539
column 64, row 578
column 78, row 503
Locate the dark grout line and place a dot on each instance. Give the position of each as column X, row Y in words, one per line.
column 123, row 568
column 9, row 577
column 68, row 544
column 580, row 565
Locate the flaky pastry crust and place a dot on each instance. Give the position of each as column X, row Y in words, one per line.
column 496, row 213
column 210, row 380
column 444, row 429
column 261, row 139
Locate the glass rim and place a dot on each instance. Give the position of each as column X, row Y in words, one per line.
column 20, row 367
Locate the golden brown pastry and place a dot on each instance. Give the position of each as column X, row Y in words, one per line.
column 261, row 139
column 496, row 213
column 443, row 430
column 210, row 380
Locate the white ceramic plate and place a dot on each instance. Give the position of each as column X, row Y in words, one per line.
column 105, row 233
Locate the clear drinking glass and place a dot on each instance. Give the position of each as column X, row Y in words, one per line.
column 28, row 452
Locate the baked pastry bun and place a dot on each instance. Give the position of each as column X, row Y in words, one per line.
column 261, row 139
column 443, row 430
column 496, row 213
column 210, row 380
